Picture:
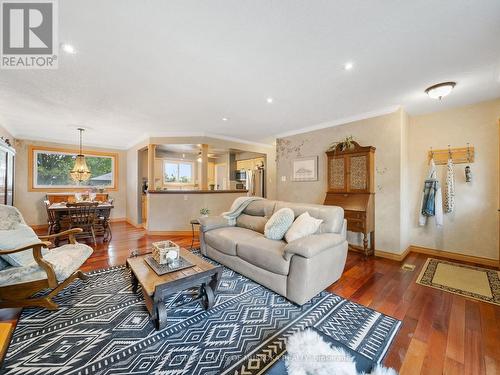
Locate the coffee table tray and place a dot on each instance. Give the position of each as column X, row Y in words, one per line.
column 162, row 269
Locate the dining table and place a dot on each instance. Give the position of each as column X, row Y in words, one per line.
column 60, row 211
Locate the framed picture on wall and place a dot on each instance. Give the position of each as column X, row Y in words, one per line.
column 305, row 169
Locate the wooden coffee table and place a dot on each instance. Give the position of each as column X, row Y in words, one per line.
column 155, row 288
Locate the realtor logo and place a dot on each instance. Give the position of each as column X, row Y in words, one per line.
column 29, row 34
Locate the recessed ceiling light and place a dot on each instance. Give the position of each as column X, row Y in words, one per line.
column 68, row 48
column 269, row 100
column 225, row 119
column 439, row 90
column 348, row 66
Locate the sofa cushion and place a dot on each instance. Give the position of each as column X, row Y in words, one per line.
column 265, row 253
column 21, row 236
column 278, row 224
column 262, row 207
column 332, row 216
column 226, row 239
column 255, row 223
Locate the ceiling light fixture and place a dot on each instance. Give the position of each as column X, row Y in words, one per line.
column 269, row 100
column 440, row 90
column 80, row 171
column 225, row 119
column 348, row 66
column 68, row 48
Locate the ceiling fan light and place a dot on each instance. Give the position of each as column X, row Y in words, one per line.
column 440, row 90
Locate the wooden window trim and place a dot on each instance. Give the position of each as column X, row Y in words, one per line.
column 31, row 168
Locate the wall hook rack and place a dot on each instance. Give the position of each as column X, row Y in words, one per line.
column 460, row 155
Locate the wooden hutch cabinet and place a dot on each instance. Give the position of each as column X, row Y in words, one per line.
column 351, row 186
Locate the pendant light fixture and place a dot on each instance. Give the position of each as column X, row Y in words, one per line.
column 80, row 171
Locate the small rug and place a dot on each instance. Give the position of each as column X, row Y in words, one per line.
column 102, row 327
column 469, row 281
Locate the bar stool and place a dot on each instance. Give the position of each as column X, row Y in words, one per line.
column 193, row 223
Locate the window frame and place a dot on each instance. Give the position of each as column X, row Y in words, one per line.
column 34, row 150
column 178, row 161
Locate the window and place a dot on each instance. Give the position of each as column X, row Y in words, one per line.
column 50, row 169
column 177, row 172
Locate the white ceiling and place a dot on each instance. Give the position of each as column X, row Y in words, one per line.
column 161, row 67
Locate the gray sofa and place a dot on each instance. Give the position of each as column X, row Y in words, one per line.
column 297, row 270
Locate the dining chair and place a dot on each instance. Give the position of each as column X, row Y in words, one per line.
column 102, row 224
column 51, row 218
column 83, row 215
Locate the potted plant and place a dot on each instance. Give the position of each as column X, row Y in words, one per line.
column 346, row 144
column 204, row 212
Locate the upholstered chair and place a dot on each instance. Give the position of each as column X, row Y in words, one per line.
column 28, row 266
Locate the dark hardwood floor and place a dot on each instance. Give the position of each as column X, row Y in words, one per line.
column 441, row 333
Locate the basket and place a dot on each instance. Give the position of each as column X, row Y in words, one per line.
column 165, row 252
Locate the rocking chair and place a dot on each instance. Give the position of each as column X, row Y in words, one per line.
column 53, row 269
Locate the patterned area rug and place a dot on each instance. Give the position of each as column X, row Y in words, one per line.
column 104, row 328
column 478, row 283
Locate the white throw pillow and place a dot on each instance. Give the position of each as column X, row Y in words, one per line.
column 303, row 226
column 279, row 223
column 12, row 239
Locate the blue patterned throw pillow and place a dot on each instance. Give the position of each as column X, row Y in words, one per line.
column 279, row 224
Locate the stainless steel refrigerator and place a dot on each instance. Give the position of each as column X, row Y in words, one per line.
column 258, row 188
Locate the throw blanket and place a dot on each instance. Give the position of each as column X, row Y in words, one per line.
column 432, row 200
column 238, row 207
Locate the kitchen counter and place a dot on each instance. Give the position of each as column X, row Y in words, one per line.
column 179, row 191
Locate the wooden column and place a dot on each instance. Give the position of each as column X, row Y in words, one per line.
column 204, row 167
column 151, row 167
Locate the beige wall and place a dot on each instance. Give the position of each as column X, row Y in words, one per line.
column 473, row 228
column 386, row 134
column 31, row 203
column 404, row 184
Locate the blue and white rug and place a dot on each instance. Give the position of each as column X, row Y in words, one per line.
column 102, row 327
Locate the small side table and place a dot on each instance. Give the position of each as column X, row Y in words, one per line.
column 193, row 223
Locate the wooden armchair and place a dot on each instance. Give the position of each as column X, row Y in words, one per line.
column 55, row 270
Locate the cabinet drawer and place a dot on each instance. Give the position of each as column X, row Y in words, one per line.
column 354, row 215
column 355, row 226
